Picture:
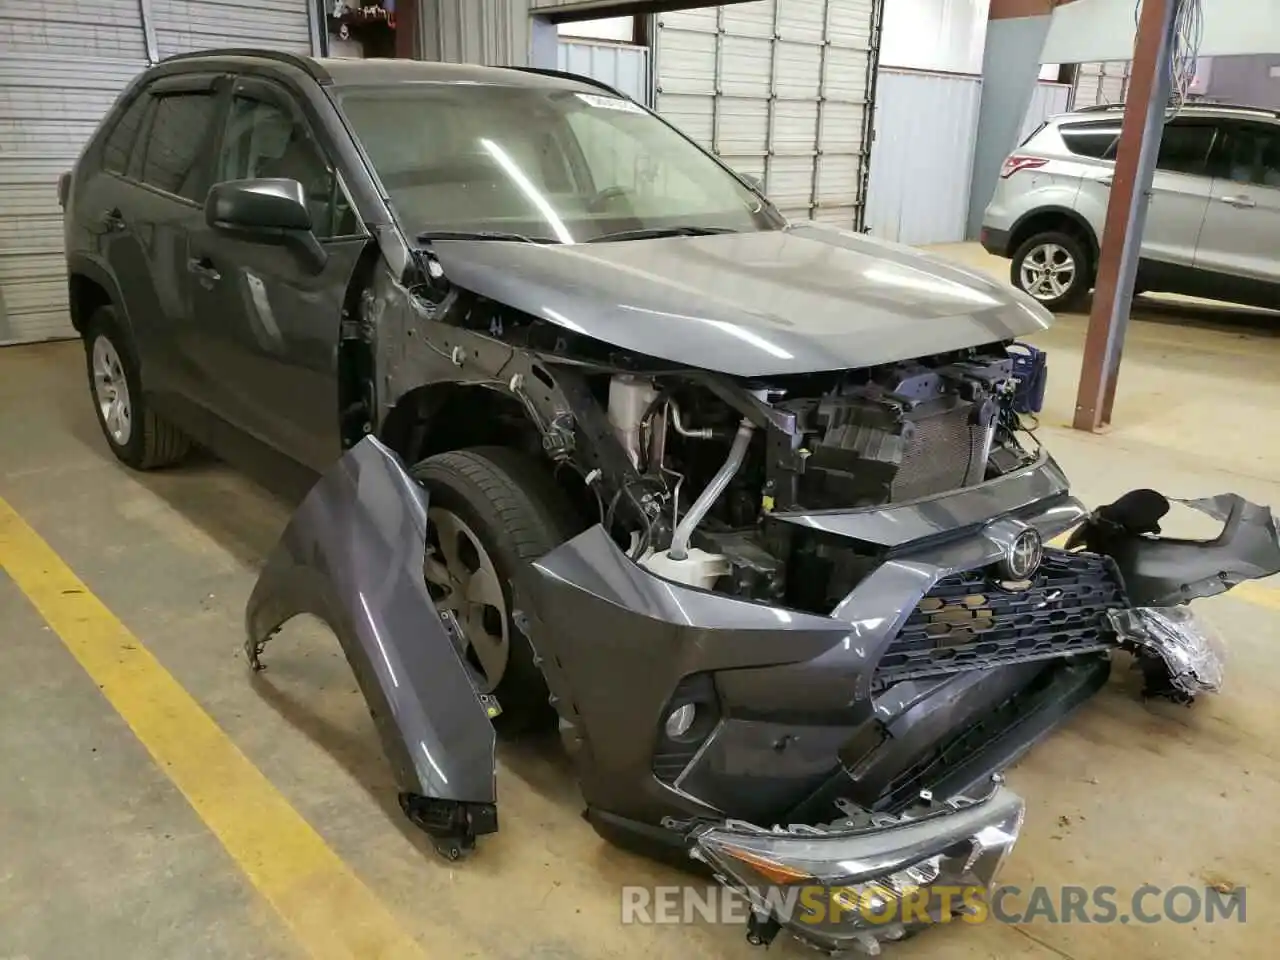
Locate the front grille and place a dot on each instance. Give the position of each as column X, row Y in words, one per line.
column 939, row 455
column 967, row 621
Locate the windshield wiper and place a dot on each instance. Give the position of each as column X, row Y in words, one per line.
column 428, row 235
column 652, row 233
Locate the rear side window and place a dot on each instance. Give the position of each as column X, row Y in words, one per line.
column 1184, row 147
column 119, row 145
column 1095, row 139
column 176, row 144
column 1248, row 153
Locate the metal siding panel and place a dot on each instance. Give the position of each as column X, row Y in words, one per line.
column 1047, row 100
column 185, row 25
column 926, row 126
column 1103, row 82
column 72, row 28
column 62, row 65
column 625, row 68
column 779, row 89
column 469, row 31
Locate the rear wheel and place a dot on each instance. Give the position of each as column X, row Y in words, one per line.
column 1054, row 268
column 135, row 433
column 492, row 511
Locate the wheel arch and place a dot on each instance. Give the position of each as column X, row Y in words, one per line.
column 90, row 286
column 446, row 416
column 1051, row 218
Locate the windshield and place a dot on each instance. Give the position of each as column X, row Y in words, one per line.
column 547, row 164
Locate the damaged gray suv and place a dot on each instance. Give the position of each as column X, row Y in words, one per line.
column 744, row 506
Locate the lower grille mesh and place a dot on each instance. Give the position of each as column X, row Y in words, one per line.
column 968, row 622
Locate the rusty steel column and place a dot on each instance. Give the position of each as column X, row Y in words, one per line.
column 1140, row 133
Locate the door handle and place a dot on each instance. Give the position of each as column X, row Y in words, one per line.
column 203, row 267
column 1239, row 202
column 112, row 221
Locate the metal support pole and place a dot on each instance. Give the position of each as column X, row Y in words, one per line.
column 148, row 32
column 1143, row 125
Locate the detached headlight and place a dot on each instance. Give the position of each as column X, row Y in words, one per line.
column 854, row 879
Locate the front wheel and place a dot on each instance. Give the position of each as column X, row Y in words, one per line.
column 1053, row 268
column 491, row 511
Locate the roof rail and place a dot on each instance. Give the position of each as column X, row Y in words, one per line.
column 566, row 75
column 305, row 64
column 1187, row 105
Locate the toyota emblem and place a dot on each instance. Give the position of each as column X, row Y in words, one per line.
column 1024, row 556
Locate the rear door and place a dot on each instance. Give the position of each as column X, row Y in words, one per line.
column 1241, row 233
column 267, row 324
column 1179, row 192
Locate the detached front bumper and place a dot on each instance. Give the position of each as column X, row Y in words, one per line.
column 856, row 883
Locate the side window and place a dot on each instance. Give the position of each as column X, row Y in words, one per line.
column 119, row 143
column 1249, row 153
column 176, row 143
column 265, row 140
column 1095, row 139
column 1184, row 147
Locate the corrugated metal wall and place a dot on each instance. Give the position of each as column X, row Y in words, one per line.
column 1047, row 100
column 780, row 89
column 184, row 25
column 623, row 66
column 1104, row 82
column 474, row 31
column 62, row 64
column 926, row 124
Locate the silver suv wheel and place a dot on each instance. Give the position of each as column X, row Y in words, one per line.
column 1048, row 271
column 1053, row 267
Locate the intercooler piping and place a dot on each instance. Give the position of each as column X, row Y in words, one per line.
column 737, row 453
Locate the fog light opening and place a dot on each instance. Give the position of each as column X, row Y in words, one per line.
column 680, row 720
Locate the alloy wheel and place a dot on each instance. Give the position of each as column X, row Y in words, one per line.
column 1048, row 271
column 111, row 391
column 464, row 582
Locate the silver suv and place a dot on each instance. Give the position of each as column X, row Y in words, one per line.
column 1213, row 226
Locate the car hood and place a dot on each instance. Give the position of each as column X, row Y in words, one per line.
column 804, row 299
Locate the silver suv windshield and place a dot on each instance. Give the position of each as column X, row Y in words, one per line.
column 552, row 165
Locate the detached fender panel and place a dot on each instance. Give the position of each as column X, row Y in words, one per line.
column 1165, row 571
column 352, row 555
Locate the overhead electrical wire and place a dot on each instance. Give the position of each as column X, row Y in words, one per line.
column 1188, row 34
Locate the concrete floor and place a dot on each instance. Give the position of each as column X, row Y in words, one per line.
column 101, row 856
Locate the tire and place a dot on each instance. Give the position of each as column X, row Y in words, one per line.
column 513, row 507
column 149, row 442
column 1062, row 249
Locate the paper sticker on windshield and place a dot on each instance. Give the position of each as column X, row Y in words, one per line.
column 609, row 103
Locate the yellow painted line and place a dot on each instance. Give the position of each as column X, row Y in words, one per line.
column 1255, row 593
column 330, row 912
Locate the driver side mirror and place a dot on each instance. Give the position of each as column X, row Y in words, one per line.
column 265, row 211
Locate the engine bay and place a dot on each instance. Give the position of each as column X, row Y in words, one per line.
column 712, row 466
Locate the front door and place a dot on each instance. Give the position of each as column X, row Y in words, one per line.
column 1242, row 228
column 268, row 320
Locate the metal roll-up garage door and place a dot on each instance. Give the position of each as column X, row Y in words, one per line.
column 62, row 63
column 1099, row 83
column 185, row 25
column 781, row 89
